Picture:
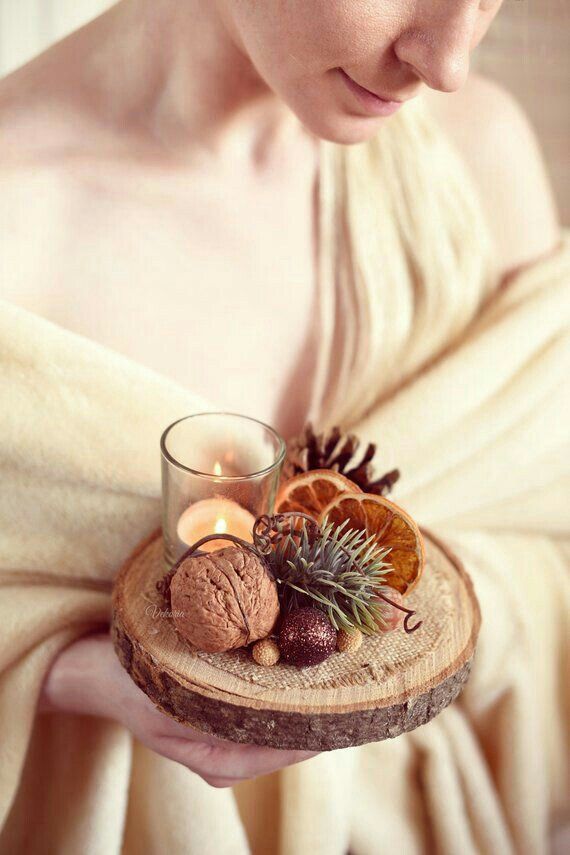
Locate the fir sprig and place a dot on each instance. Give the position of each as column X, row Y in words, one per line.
column 336, row 569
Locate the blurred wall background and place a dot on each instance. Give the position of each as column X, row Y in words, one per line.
column 528, row 50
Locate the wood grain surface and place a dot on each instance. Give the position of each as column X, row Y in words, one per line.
column 392, row 684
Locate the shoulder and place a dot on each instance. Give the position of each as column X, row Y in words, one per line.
column 28, row 145
column 499, row 147
column 36, row 141
column 46, row 174
column 53, row 144
column 42, row 117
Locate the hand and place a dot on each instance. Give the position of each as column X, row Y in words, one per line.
column 87, row 678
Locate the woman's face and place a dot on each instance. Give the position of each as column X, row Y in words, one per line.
column 320, row 56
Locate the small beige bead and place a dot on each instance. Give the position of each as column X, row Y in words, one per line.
column 265, row 652
column 347, row 642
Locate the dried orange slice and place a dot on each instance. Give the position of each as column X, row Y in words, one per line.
column 393, row 528
column 311, row 491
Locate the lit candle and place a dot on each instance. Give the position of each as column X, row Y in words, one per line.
column 215, row 516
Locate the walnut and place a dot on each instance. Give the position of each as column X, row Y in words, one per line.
column 224, row 599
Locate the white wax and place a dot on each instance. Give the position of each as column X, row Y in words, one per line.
column 211, row 516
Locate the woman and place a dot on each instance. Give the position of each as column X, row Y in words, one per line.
column 160, row 175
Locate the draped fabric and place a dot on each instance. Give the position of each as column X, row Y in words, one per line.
column 480, row 431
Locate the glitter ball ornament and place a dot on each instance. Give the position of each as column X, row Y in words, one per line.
column 347, row 642
column 307, row 637
column 266, row 652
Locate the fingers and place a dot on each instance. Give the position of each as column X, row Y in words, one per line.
column 219, row 762
column 251, row 761
column 222, row 763
column 170, row 728
column 219, row 783
column 256, row 752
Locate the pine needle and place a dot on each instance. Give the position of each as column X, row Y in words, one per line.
column 334, row 568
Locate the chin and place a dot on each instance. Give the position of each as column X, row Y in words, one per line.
column 344, row 130
column 322, row 115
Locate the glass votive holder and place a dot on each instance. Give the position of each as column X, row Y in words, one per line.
column 220, row 471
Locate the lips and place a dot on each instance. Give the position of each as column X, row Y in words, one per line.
column 348, row 79
column 365, row 102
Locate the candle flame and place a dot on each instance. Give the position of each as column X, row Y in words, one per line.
column 220, row 526
column 217, row 468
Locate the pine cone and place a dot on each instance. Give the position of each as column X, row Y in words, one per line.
column 334, row 450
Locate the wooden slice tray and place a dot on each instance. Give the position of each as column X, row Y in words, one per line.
column 393, row 683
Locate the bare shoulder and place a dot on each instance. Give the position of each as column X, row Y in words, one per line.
column 54, row 141
column 39, row 137
column 42, row 115
column 499, row 146
column 46, row 173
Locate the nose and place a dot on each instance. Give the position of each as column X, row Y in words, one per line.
column 439, row 52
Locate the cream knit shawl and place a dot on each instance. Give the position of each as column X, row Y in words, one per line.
column 478, row 423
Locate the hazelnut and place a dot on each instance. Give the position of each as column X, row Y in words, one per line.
column 347, row 642
column 266, row 652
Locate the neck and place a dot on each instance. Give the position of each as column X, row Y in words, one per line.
column 176, row 69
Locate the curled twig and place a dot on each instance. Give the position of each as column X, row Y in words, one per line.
column 266, row 531
column 409, row 614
